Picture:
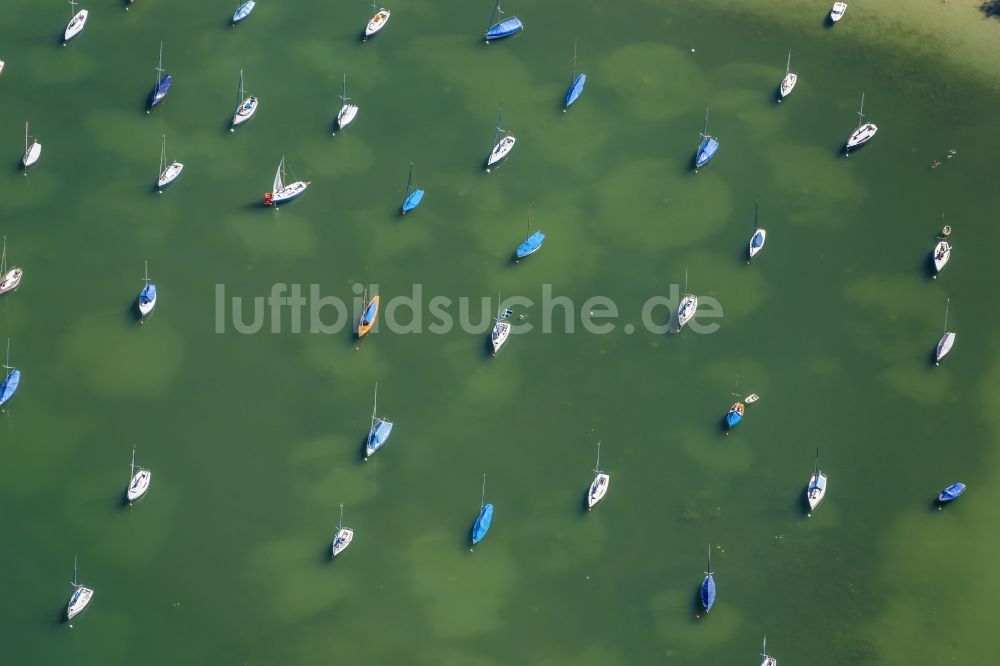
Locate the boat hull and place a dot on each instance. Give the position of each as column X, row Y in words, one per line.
column 76, row 25
column 482, row 524
column 147, row 299
column 575, row 90
column 504, row 29
column 816, row 490
column 412, row 201
column 11, row 280
column 31, row 155
column 78, row 601
column 139, row 484
column 838, row 10
column 598, row 489
column 346, row 115
column 243, row 11
column 734, row 415
column 377, row 22
column 951, row 493
column 377, row 436
column 686, row 310
column 708, row 593
column 169, row 175
column 706, row 151
column 530, row 245
column 8, row 387
column 501, row 150
column 341, row 541
column 245, row 111
column 289, row 192
column 861, row 136
column 757, row 242
column 788, row 84
column 160, row 90
column 942, row 253
column 368, row 317
column 944, row 346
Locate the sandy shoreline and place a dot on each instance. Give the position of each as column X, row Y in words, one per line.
column 958, row 32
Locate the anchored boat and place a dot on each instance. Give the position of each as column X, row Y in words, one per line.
column 282, row 193
column 379, row 432
column 708, row 585
column 243, row 11
column 80, row 597
column 787, row 83
column 707, row 147
column 138, row 481
column 599, row 486
column 76, row 24
column 8, row 387
column 246, row 105
column 577, row 82
column 863, row 133
column 951, row 493
column 412, row 198
column 482, row 523
column 504, row 28
column 147, row 297
column 501, row 329
column 163, row 83
column 947, row 340
column 342, row 539
column 377, row 22
column 816, row 488
column 9, row 279
column 501, row 147
column 168, row 172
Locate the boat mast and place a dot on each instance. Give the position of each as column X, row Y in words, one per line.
column 409, row 180
column 343, row 96
column 239, row 98
column 72, row 7
column 763, row 648
column 788, row 65
column 496, row 138
column 755, row 208
column 496, row 8
column 6, row 364
column 163, row 154
column 73, row 583
column 159, row 66
column 861, row 111
column 704, row 133
column 133, row 462
column 26, row 138
column 816, row 472
column 340, row 525
column 146, row 263
column 482, row 499
column 573, row 77
column 947, row 301
column 709, row 572
column 3, row 261
column 597, row 465
column 375, row 403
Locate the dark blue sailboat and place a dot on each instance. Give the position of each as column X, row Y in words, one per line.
column 946, row 495
column 734, row 415
column 504, row 28
column 708, row 585
column 413, row 198
column 707, row 148
column 10, row 383
column 576, row 87
column 483, row 520
column 162, row 86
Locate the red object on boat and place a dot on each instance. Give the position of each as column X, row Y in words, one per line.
column 267, row 198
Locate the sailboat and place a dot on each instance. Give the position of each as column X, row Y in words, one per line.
column 707, row 147
column 758, row 237
column 787, row 83
column 501, row 147
column 8, row 387
column 816, row 488
column 947, row 340
column 138, row 481
column 243, row 11
column 343, row 538
column 838, row 10
column 280, row 191
column 765, row 658
column 32, row 151
column 147, row 297
column 531, row 244
column 80, row 597
column 377, row 22
column 951, row 492
column 347, row 111
column 482, row 524
column 246, row 106
column 942, row 253
column 162, row 86
column 501, row 329
column 9, row 279
column 688, row 305
column 369, row 315
column 708, row 585
column 863, row 133
column 735, row 415
column 168, row 172
column 412, row 198
column 76, row 24
column 379, row 432
column 504, row 28
column 576, row 84
column 599, row 486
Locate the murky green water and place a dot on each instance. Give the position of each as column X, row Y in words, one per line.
column 254, row 440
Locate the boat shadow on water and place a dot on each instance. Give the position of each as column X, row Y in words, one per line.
column 132, row 315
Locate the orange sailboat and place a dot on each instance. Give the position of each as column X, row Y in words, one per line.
column 369, row 316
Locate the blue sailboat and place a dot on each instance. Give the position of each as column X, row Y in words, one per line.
column 531, row 244
column 576, row 87
column 379, row 433
column 504, row 28
column 734, row 415
column 708, row 585
column 707, row 148
column 243, row 11
column 10, row 383
column 162, row 86
column 483, row 520
column 413, row 198
column 947, row 495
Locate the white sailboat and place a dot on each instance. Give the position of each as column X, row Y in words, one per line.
column 282, row 192
column 501, row 329
column 947, row 340
column 76, row 24
column 9, row 279
column 347, row 111
column 864, row 132
column 377, row 22
column 942, row 253
column 343, row 537
column 838, row 10
column 766, row 659
column 687, row 307
column 599, row 486
column 501, row 147
column 80, row 597
column 168, row 172
column 758, row 238
column 32, row 151
column 788, row 83
column 816, row 488
column 246, row 106
column 138, row 481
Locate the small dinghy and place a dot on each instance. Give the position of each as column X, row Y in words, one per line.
column 838, row 10
column 343, row 538
column 482, row 523
column 864, row 131
column 32, row 151
column 765, row 658
column 377, row 22
column 951, row 492
column 147, row 297
column 942, row 253
column 243, row 11
column 76, row 24
column 9, row 279
column 347, row 111
column 599, row 486
column 501, row 329
column 816, row 488
column 501, row 147
column 947, row 340
column 504, row 28
column 787, row 83
column 138, row 481
column 707, row 592
column 168, row 172
column 379, row 433
column 752, row 398
column 80, row 597
column 707, row 148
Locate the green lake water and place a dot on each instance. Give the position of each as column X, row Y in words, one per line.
column 254, row 440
